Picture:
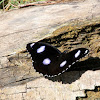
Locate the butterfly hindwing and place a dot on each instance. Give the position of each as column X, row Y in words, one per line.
column 49, row 61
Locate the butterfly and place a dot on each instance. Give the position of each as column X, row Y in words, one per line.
column 49, row 61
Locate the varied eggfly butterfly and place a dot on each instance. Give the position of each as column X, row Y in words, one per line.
column 49, row 61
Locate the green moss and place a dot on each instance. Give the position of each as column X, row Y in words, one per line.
column 10, row 4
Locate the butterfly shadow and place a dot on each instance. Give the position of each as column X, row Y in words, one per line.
column 75, row 72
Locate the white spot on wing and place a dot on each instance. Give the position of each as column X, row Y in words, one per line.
column 63, row 63
column 69, row 66
column 46, row 61
column 77, row 54
column 32, row 45
column 73, row 63
column 41, row 49
column 86, row 51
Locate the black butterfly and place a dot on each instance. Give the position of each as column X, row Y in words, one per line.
column 49, row 61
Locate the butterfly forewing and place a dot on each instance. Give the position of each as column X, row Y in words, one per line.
column 44, row 56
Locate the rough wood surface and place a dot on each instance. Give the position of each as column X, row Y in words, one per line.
column 67, row 26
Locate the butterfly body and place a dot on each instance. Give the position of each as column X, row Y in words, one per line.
column 49, row 61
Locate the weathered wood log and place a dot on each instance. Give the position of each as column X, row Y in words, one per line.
column 66, row 26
